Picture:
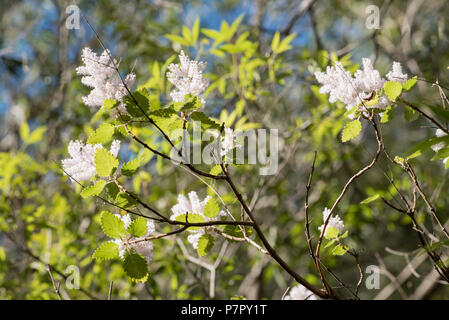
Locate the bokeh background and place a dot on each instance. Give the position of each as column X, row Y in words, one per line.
column 43, row 220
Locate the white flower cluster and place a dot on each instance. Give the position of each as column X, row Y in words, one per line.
column 99, row 73
column 356, row 90
column 229, row 142
column 193, row 205
column 141, row 246
column 334, row 222
column 187, row 77
column 437, row 147
column 81, row 164
column 300, row 292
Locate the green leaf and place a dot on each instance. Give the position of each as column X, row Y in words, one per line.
column 129, row 168
column 102, row 135
column 410, row 83
column 167, row 119
column 216, row 170
column 24, row 131
column 339, row 250
column 123, row 200
column 211, row 209
column 205, row 243
column 414, row 155
column 196, row 30
column 177, row 39
column 138, row 227
column 399, row 160
column 235, row 231
column 112, row 189
column 331, row 242
column 442, row 153
column 143, row 98
column 410, row 114
column 105, row 163
column 192, row 218
column 322, row 59
column 36, row 135
column 106, row 251
column 112, row 225
column 275, row 42
column 393, row 90
column 93, row 190
column 370, row 199
column 206, row 122
column 331, row 233
column 351, row 130
column 109, row 104
column 192, row 104
column 387, row 115
column 136, row 267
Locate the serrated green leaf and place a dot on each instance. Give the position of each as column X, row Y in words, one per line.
column 138, row 227
column 112, row 189
column 106, row 251
column 129, row 168
column 205, row 243
column 370, row 199
column 105, row 162
column 331, row 233
column 206, row 122
column 112, row 225
column 193, row 103
column 351, row 130
column 339, row 250
column 211, row 209
column 410, row 83
column 393, row 90
column 123, row 200
column 102, row 135
column 109, row 104
column 387, row 115
column 136, row 267
column 93, row 190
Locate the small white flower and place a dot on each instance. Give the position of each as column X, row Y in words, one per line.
column 396, row 73
column 334, row 221
column 141, row 246
column 187, row 77
column 437, row 147
column 99, row 73
column 356, row 90
column 81, row 164
column 229, row 143
column 193, row 205
column 195, row 237
column 300, row 292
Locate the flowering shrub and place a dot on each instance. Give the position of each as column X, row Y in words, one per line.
column 167, row 154
column 365, row 94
